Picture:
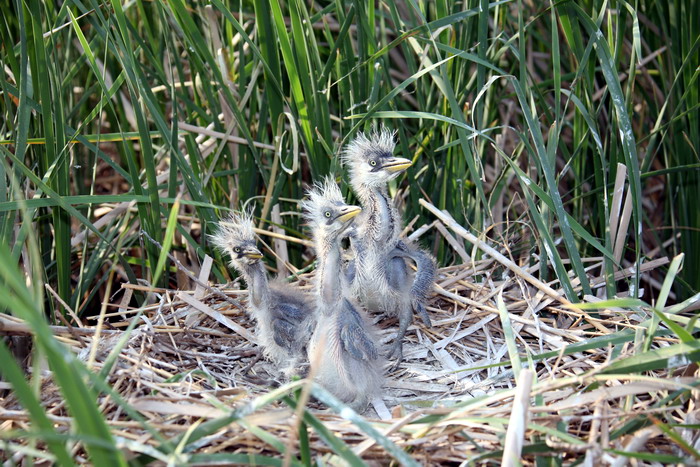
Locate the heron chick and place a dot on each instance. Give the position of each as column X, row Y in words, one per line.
column 350, row 366
column 283, row 314
column 379, row 274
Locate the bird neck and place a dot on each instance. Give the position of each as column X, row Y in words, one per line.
column 380, row 213
column 258, row 287
column 328, row 275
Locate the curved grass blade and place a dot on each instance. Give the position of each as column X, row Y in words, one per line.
column 509, row 336
column 67, row 370
column 167, row 241
column 335, row 443
column 672, row 356
column 347, row 413
column 12, row 373
column 626, row 134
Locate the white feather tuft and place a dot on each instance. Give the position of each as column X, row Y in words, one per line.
column 234, row 229
column 363, row 146
column 322, row 194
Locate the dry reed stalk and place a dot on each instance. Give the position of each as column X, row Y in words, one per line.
column 177, row 374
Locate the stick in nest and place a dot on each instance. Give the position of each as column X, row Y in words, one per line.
column 218, row 292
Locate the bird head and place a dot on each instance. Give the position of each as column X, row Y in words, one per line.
column 326, row 211
column 235, row 236
column 371, row 161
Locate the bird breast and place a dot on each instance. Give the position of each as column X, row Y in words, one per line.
column 371, row 285
column 353, row 381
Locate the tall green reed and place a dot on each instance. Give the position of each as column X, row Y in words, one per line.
column 564, row 92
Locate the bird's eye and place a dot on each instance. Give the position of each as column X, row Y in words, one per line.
column 327, row 214
column 237, row 250
column 372, row 162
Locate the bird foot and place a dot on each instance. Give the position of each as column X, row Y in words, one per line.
column 397, row 353
column 293, row 372
column 423, row 313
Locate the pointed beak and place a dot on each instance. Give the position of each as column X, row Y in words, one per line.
column 252, row 253
column 397, row 164
column 348, row 212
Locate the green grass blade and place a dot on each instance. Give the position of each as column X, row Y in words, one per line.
column 167, row 240
column 509, row 336
column 672, row 356
column 13, row 373
column 67, row 371
column 328, row 437
column 334, row 404
column 626, row 133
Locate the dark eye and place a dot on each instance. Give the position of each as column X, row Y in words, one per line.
column 327, row 214
column 372, row 162
column 237, row 250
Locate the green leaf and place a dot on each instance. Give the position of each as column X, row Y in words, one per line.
column 167, row 241
column 509, row 336
column 347, row 413
column 13, row 373
column 672, row 356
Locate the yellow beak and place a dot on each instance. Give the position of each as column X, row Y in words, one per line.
column 350, row 212
column 397, row 164
column 253, row 254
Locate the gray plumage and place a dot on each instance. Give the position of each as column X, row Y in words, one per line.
column 423, row 279
column 350, row 365
column 283, row 313
column 379, row 275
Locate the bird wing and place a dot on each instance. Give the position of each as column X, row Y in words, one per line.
column 354, row 336
column 290, row 302
column 292, row 312
column 285, row 334
column 425, row 265
column 288, row 322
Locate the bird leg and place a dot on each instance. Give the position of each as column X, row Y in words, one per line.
column 424, row 278
column 396, row 351
column 419, row 308
column 257, row 379
column 293, row 370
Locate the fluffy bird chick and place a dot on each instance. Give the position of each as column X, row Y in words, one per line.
column 284, row 314
column 350, row 366
column 379, row 274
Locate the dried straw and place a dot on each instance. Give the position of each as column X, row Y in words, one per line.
column 453, row 399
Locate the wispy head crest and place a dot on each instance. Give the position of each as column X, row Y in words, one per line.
column 321, row 195
column 236, row 228
column 362, row 146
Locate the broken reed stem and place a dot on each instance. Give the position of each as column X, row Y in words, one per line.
column 515, row 436
column 100, row 320
column 67, row 307
column 21, row 328
column 286, row 238
column 462, row 232
column 191, row 276
column 207, row 310
column 218, row 135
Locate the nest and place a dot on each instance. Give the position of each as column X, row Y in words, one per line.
column 190, row 357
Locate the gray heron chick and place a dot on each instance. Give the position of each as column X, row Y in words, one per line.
column 350, row 365
column 283, row 314
column 379, row 275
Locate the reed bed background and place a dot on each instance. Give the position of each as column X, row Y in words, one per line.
column 555, row 149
